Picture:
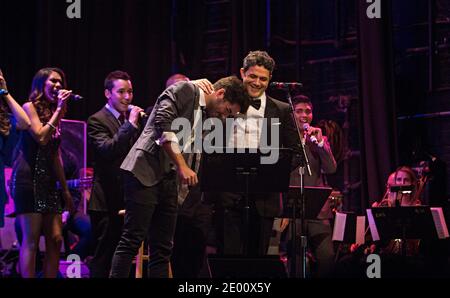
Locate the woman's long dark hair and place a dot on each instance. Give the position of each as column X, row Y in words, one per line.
column 44, row 108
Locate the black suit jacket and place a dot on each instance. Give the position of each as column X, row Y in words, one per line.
column 110, row 142
column 271, row 204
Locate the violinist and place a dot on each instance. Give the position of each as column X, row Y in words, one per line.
column 354, row 264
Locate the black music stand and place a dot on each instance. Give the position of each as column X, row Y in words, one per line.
column 241, row 171
column 399, row 190
column 312, row 202
column 304, row 167
column 316, row 198
column 409, row 222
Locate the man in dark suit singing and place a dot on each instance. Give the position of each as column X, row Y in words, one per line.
column 152, row 165
column 256, row 73
column 111, row 133
column 321, row 161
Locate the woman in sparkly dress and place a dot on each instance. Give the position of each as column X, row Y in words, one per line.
column 36, row 170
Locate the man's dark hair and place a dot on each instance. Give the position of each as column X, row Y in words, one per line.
column 234, row 91
column 300, row 98
column 260, row 58
column 115, row 75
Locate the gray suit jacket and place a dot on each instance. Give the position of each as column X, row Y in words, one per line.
column 147, row 160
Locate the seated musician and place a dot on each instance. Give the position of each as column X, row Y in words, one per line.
column 354, row 264
column 403, row 176
column 77, row 230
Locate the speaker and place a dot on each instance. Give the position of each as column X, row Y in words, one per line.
column 246, row 267
column 73, row 141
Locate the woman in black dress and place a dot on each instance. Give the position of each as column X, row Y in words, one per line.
column 37, row 169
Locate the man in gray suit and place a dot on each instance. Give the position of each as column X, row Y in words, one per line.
column 153, row 163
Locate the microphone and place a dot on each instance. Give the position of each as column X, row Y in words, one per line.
column 286, row 86
column 73, row 96
column 312, row 138
column 143, row 114
column 3, row 92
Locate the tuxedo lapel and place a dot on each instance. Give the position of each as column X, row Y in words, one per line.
column 271, row 108
column 271, row 111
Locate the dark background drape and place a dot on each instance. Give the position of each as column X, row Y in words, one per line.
column 377, row 102
column 130, row 35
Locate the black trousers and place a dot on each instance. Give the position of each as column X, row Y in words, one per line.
column 191, row 236
column 151, row 212
column 231, row 227
column 106, row 230
column 319, row 238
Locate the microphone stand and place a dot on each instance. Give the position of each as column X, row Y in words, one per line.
column 303, row 240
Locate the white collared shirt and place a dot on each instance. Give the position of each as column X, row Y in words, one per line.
column 247, row 130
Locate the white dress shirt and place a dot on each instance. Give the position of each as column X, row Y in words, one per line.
column 247, row 130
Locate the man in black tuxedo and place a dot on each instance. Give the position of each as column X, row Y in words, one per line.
column 152, row 165
column 256, row 73
column 112, row 132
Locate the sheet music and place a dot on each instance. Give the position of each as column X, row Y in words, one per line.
column 360, row 229
column 439, row 222
column 339, row 226
column 372, row 226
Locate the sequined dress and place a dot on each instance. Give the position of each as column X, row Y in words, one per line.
column 33, row 180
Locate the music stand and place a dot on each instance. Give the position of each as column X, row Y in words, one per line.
column 304, row 166
column 317, row 196
column 312, row 201
column 409, row 222
column 240, row 170
column 399, row 190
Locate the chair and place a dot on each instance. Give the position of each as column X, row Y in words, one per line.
column 140, row 258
